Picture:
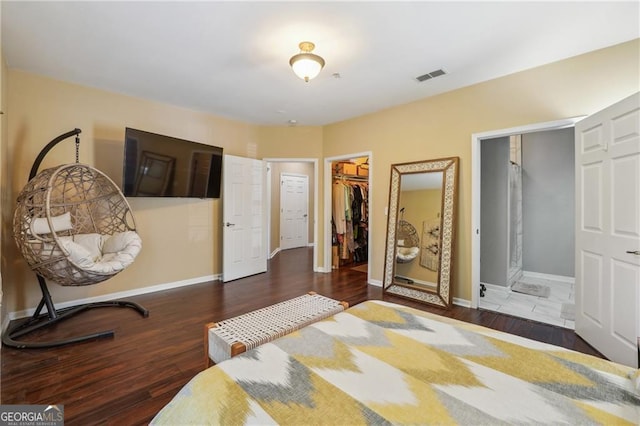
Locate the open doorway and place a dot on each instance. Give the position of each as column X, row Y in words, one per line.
column 348, row 212
column 528, row 220
column 522, row 200
column 296, row 171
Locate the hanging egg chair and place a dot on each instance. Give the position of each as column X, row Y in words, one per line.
column 408, row 242
column 73, row 226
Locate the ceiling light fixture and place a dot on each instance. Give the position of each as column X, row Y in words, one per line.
column 305, row 64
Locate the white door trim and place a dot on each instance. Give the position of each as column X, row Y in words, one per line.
column 476, row 138
column 268, row 207
column 328, row 184
column 315, row 203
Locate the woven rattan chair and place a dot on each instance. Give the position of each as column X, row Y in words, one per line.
column 408, row 242
column 73, row 226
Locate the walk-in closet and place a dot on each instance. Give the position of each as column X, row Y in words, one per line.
column 350, row 213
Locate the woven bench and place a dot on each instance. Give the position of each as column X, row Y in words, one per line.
column 236, row 335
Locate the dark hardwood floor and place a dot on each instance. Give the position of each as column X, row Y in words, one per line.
column 127, row 379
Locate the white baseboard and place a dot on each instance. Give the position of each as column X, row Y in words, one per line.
column 121, row 294
column 461, row 302
column 496, row 287
column 540, row 275
column 278, row 250
column 376, row 283
column 273, row 253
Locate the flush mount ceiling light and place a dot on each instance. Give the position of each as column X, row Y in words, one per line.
column 305, row 64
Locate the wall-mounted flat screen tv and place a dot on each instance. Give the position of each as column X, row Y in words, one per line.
column 164, row 166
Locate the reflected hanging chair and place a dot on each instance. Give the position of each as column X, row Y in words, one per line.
column 408, row 242
column 73, row 226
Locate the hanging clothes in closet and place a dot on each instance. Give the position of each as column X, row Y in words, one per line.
column 350, row 219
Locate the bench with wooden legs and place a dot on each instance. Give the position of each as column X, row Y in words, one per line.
column 228, row 338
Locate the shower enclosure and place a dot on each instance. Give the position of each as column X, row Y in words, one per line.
column 514, row 203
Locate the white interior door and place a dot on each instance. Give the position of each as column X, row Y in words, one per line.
column 294, row 211
column 608, row 230
column 244, row 236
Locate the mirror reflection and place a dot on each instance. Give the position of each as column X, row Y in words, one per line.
column 422, row 209
column 418, row 233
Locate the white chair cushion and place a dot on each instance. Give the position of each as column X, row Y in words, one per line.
column 92, row 243
column 40, row 225
column 119, row 242
column 102, row 254
column 407, row 253
column 78, row 255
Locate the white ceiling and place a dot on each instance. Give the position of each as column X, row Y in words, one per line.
column 232, row 58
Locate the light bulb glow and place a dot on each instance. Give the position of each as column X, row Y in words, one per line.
column 305, row 64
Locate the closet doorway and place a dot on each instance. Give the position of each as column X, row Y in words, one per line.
column 306, row 169
column 348, row 212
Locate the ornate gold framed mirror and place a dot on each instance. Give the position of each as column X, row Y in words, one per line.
column 420, row 230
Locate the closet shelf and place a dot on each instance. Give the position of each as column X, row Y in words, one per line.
column 351, row 177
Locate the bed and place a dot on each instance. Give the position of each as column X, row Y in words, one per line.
column 384, row 363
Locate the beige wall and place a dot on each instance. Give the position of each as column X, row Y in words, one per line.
column 441, row 126
column 298, row 168
column 182, row 237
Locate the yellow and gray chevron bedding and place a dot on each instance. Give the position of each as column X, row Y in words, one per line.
column 381, row 363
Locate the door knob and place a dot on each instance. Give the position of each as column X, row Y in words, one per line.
column 229, row 224
column 636, row 252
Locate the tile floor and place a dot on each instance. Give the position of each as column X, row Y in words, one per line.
column 546, row 310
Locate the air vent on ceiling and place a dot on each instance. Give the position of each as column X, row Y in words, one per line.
column 430, row 75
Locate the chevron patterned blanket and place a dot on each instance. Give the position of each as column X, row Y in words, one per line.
column 381, row 363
